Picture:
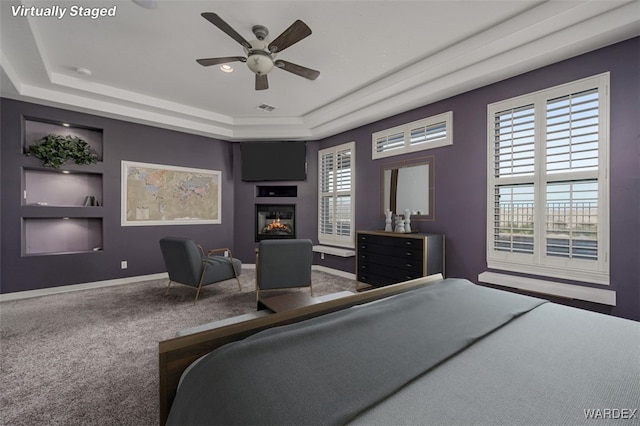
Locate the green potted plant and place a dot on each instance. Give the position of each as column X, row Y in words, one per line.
column 54, row 150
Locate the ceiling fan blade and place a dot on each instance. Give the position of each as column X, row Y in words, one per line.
column 298, row 69
column 207, row 62
column 296, row 32
column 261, row 82
column 226, row 28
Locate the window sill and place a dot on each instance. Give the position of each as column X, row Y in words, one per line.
column 585, row 272
column 335, row 251
column 570, row 291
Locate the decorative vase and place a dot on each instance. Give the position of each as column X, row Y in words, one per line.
column 387, row 221
column 407, row 220
column 400, row 226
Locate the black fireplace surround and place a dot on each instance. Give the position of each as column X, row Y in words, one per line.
column 275, row 221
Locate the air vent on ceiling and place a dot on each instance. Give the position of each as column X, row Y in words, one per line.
column 266, row 107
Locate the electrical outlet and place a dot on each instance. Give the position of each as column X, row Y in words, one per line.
column 226, row 253
column 123, row 264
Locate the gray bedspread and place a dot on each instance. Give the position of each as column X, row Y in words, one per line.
column 329, row 369
column 556, row 365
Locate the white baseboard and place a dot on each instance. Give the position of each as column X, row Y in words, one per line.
column 128, row 280
column 335, row 272
column 77, row 287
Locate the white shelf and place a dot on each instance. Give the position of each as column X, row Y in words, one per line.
column 335, row 251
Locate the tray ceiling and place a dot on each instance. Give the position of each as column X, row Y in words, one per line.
column 376, row 58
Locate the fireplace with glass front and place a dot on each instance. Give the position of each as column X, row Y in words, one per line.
column 275, row 221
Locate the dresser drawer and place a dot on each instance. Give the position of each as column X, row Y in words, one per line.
column 411, row 262
column 368, row 248
column 375, row 280
column 391, row 241
column 393, row 273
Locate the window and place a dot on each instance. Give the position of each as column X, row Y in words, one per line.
column 419, row 135
column 548, row 186
column 336, row 191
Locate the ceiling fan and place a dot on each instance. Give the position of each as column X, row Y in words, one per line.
column 261, row 56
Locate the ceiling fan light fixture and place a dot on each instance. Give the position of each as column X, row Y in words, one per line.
column 259, row 62
column 260, row 55
column 226, row 68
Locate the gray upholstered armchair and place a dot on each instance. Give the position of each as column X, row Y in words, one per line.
column 283, row 264
column 187, row 264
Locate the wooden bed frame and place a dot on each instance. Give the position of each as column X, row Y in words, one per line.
column 176, row 354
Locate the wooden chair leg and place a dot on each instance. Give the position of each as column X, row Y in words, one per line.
column 204, row 268
column 235, row 273
column 257, row 286
column 168, row 286
column 197, row 293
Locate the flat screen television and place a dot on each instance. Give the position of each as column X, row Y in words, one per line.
column 271, row 161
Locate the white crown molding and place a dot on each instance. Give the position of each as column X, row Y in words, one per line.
column 473, row 63
column 547, row 33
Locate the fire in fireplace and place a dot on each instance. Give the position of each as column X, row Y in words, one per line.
column 275, row 221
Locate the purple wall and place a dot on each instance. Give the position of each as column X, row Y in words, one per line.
column 138, row 245
column 460, row 175
column 245, row 200
column 460, row 170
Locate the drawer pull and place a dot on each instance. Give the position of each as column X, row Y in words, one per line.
column 409, row 265
column 409, row 253
column 409, row 243
column 363, row 266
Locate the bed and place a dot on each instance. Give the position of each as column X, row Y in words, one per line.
column 426, row 351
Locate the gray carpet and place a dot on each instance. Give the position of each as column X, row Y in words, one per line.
column 91, row 357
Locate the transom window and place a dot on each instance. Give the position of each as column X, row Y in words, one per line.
column 548, row 208
column 427, row 133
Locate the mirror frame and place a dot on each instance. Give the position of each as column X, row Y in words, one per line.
column 431, row 190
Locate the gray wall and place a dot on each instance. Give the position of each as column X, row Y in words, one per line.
column 460, row 170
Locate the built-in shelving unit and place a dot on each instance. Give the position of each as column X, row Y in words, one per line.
column 61, row 209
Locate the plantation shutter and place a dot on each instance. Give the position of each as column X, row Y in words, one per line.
column 427, row 134
column 572, row 159
column 513, row 168
column 548, row 186
column 431, row 132
column 573, row 133
column 327, row 184
column 337, row 181
column 386, row 143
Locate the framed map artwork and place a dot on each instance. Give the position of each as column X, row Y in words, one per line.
column 154, row 194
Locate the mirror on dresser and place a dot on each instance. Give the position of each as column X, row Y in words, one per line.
column 409, row 185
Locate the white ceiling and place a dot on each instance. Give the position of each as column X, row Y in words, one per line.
column 376, row 58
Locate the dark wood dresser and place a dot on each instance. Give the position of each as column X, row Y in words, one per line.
column 387, row 257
